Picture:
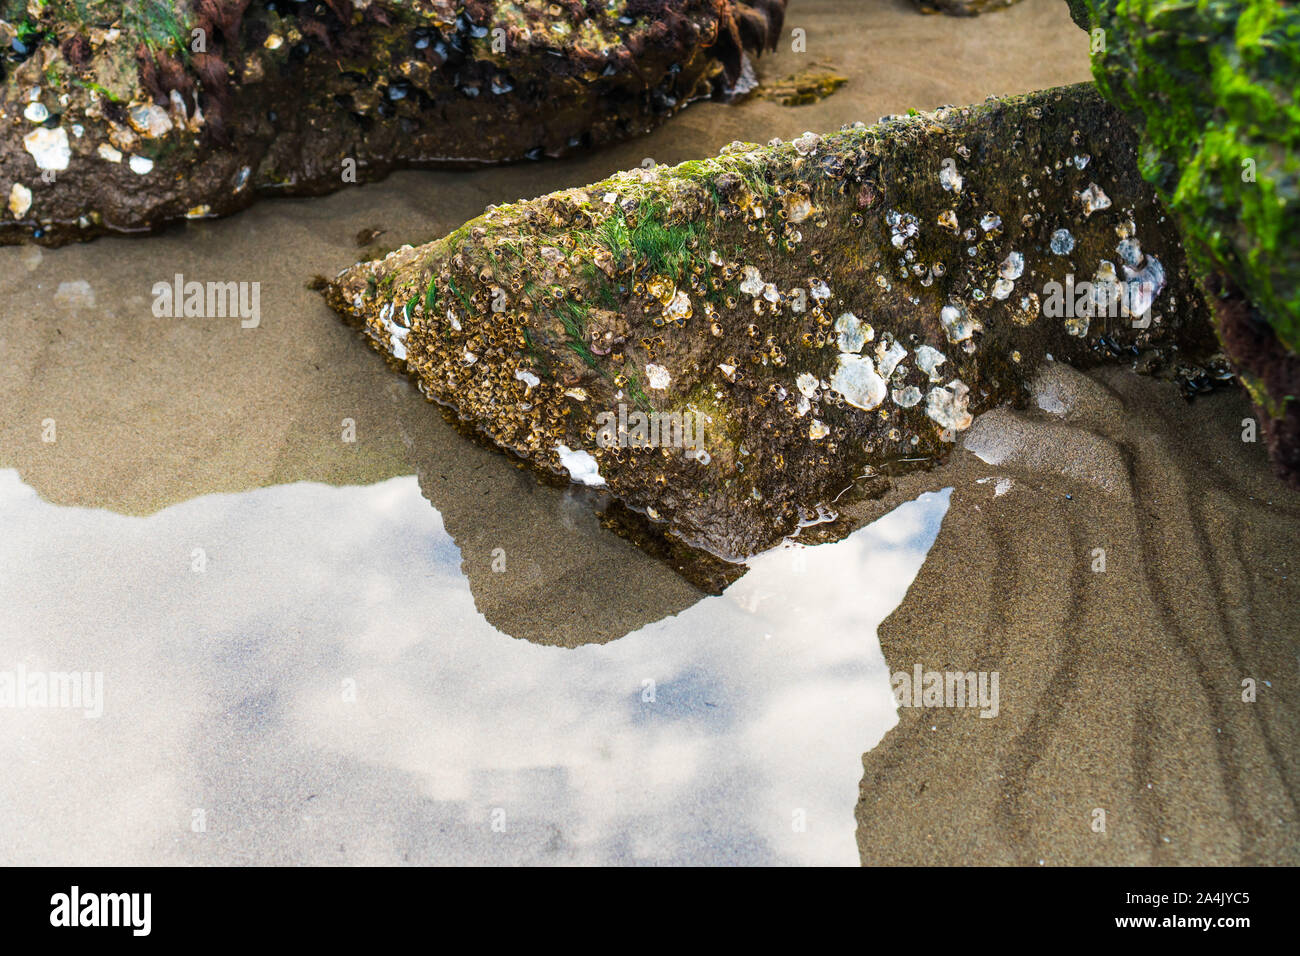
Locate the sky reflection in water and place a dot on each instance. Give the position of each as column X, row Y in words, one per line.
column 224, row 691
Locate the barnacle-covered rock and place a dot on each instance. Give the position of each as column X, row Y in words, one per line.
column 835, row 328
column 122, row 115
column 1214, row 91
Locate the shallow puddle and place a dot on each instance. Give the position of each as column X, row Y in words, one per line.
column 298, row 674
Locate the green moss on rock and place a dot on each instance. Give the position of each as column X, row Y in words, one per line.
column 1213, row 87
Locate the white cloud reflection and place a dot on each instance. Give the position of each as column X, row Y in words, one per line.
column 224, row 692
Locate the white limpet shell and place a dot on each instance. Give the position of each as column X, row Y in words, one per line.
column 110, row 153
column 20, row 200
column 678, row 308
column 949, row 178
column 946, row 406
column 581, row 466
column 855, row 378
column 658, row 376
column 797, row 207
column 906, row 397
column 1144, row 285
column 888, row 354
column 1013, row 266
column 806, row 383
column 396, row 334
column 957, row 324
column 753, row 282
column 49, row 147
column 851, row 334
column 140, row 165
column 1092, row 199
column 928, row 360
column 149, row 120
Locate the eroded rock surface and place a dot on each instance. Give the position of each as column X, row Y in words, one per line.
column 122, row 116
column 809, row 316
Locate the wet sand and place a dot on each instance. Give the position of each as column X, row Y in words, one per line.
column 1121, row 690
column 1111, row 681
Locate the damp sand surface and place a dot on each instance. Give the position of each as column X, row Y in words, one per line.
column 1127, row 564
column 1121, row 690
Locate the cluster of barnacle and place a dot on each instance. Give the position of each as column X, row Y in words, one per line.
column 471, row 348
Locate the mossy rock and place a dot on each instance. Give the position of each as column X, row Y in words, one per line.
column 828, row 311
column 1213, row 87
column 123, row 116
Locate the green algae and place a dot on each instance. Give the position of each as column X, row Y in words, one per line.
column 1213, row 86
column 804, row 87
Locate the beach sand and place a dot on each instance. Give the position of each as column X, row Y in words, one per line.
column 1120, row 690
